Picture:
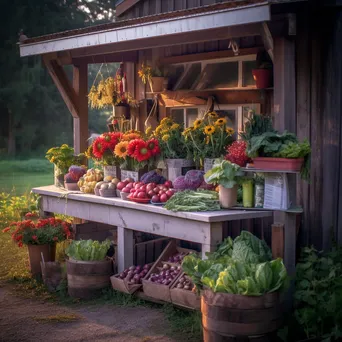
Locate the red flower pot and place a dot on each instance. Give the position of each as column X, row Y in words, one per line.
column 262, row 77
column 279, row 164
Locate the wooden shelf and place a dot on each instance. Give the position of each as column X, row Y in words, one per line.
column 294, row 210
column 267, row 171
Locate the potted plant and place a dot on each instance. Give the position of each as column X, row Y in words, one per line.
column 101, row 151
column 63, row 157
column 40, row 236
column 174, row 148
column 136, row 154
column 153, row 76
column 236, row 153
column 226, row 174
column 88, row 268
column 112, row 92
column 208, row 139
column 241, row 288
column 263, row 74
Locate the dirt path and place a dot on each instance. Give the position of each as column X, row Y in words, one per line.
column 24, row 319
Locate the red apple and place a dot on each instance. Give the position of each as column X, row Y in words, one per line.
column 150, row 186
column 120, row 185
column 169, row 193
column 161, row 192
column 132, row 191
column 163, row 198
column 129, row 185
column 142, row 194
column 168, row 184
column 143, row 187
column 156, row 189
column 126, row 190
column 155, row 199
column 151, row 193
column 128, row 180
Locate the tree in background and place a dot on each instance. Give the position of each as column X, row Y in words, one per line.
column 30, row 105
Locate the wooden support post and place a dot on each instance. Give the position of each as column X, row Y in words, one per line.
column 80, row 85
column 215, row 237
column 277, row 240
column 125, row 248
column 284, row 85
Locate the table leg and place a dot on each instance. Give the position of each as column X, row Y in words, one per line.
column 214, row 238
column 125, row 248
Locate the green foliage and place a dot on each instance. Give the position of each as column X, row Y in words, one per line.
column 188, row 200
column 242, row 266
column 88, row 250
column 224, row 173
column 318, row 296
column 25, row 166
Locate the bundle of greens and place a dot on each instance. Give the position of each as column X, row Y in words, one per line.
column 188, row 200
column 88, row 250
column 242, row 266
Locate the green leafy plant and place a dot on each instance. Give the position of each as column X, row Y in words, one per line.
column 318, row 296
column 224, row 173
column 242, row 266
column 88, row 250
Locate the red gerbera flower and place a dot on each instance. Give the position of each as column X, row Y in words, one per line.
column 141, row 151
column 153, row 146
column 132, row 146
column 99, row 147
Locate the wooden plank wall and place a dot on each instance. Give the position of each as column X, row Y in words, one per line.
column 319, row 109
column 151, row 7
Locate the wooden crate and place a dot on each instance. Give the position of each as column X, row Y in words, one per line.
column 159, row 291
column 184, row 298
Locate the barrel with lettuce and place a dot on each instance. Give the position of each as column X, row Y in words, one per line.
column 240, row 288
column 88, row 268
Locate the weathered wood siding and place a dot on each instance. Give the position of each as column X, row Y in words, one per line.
column 319, row 109
column 151, row 7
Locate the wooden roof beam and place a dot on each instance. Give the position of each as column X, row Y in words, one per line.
column 63, row 84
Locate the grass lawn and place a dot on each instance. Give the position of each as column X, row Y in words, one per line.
column 20, row 176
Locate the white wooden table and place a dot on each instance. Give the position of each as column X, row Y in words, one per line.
column 204, row 228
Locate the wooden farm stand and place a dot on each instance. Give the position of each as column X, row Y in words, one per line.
column 203, row 228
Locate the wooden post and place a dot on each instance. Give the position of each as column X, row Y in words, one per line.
column 125, row 248
column 80, row 85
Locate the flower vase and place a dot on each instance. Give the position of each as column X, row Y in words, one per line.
column 228, row 196
column 58, row 177
column 35, row 256
column 178, row 167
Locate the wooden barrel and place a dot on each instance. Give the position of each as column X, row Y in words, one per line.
column 86, row 279
column 228, row 317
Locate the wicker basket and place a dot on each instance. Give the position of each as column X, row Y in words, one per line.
column 107, row 192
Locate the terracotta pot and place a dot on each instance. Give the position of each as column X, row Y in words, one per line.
column 228, row 196
column 71, row 186
column 262, row 77
column 49, row 253
column 157, row 84
column 279, row 164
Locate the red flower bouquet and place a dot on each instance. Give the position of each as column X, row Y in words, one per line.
column 236, row 153
column 40, row 232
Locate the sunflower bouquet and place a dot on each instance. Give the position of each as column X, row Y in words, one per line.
column 102, row 149
column 171, row 140
column 135, row 152
column 208, row 137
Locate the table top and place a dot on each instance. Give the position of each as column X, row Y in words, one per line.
column 207, row 216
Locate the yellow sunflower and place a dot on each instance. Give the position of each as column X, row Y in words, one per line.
column 165, row 137
column 209, row 130
column 213, row 115
column 230, row 131
column 174, row 126
column 198, row 123
column 220, row 122
column 158, row 129
column 148, row 130
column 166, row 122
column 121, row 149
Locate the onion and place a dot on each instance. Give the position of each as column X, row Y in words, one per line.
column 186, row 287
column 172, row 268
column 167, row 273
column 165, row 267
column 179, row 286
column 122, row 275
column 130, row 272
column 132, row 268
column 138, row 268
column 179, row 268
column 181, row 280
column 167, row 282
column 126, row 270
column 171, row 259
column 162, row 273
column 146, row 267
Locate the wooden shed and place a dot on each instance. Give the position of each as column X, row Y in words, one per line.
column 197, row 38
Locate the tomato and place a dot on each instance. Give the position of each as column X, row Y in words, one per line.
column 163, row 198
column 141, row 194
column 155, row 199
column 168, row 184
